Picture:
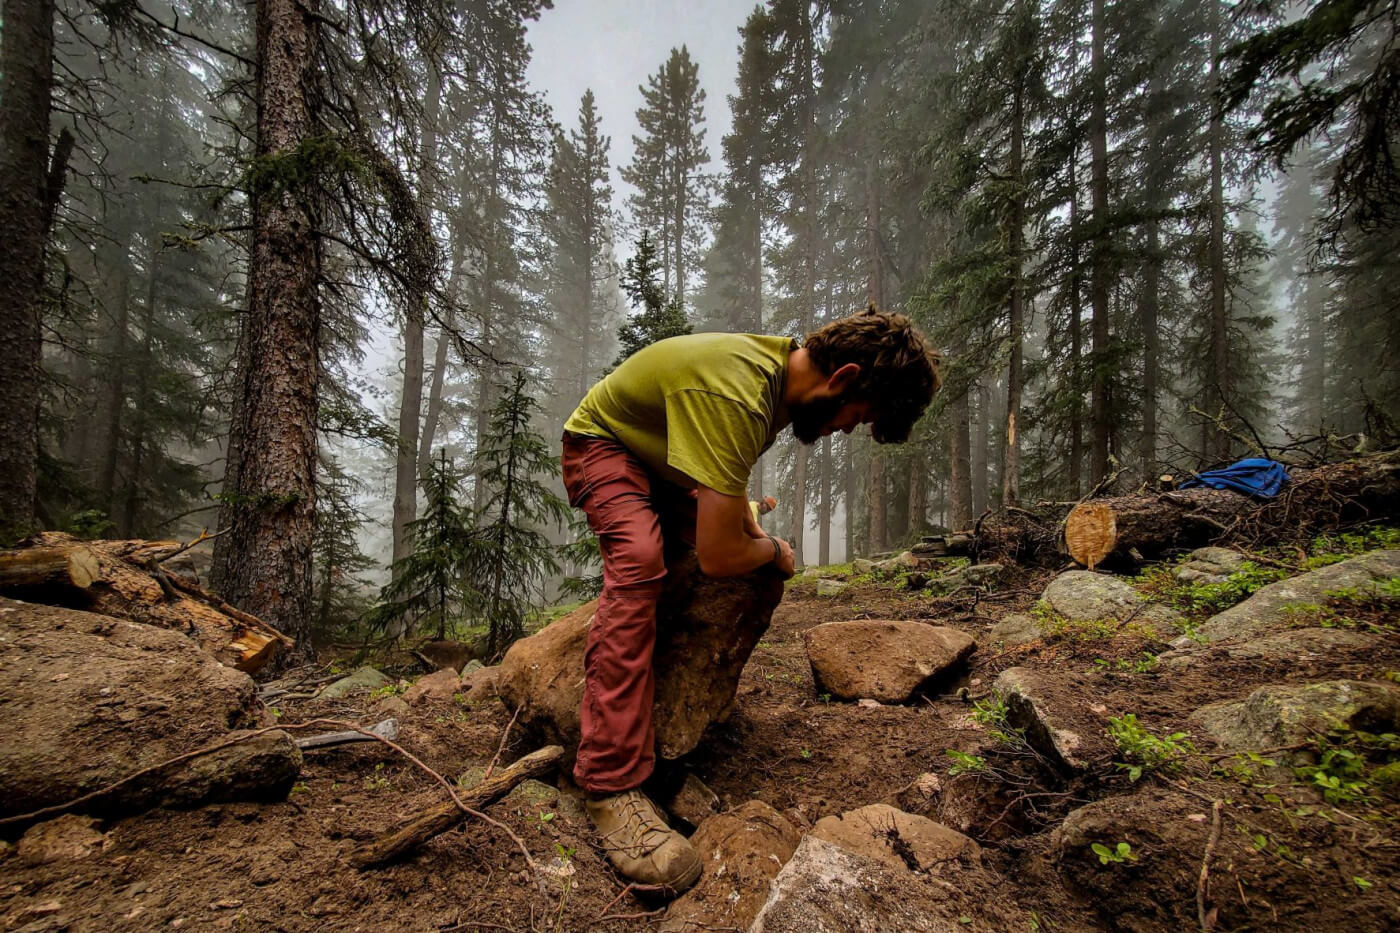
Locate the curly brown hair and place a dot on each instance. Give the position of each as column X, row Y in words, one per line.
column 898, row 367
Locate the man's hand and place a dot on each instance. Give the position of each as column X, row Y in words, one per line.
column 784, row 561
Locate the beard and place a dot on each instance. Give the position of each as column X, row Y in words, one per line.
column 809, row 419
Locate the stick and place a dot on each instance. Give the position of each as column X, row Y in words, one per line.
column 194, row 589
column 447, row 815
column 388, row 729
column 1207, row 921
column 502, row 747
column 204, row 535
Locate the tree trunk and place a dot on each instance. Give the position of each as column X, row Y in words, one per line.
column 824, row 507
column 1219, row 390
column 960, row 470
column 848, row 502
column 918, row 497
column 115, row 398
column 26, row 81
column 141, row 399
column 1099, row 253
column 980, row 492
column 1151, row 284
column 269, row 559
column 1076, row 341
column 1011, row 461
column 876, row 498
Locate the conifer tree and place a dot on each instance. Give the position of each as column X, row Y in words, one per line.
column 666, row 168
column 657, row 317
column 512, row 556
column 434, row 584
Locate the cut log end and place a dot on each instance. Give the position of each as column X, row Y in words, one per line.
column 1091, row 533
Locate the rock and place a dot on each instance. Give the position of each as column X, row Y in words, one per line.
column 1209, row 565
column 471, row 667
column 830, row 587
column 479, row 686
column 896, row 838
column 437, row 687
column 900, row 562
column 531, row 794
column 690, row 802
column 362, row 681
column 1297, row 648
column 707, row 628
column 444, row 652
column 979, row 576
column 868, row 703
column 825, row 888
column 1287, row 714
column 862, row 565
column 1050, row 708
column 887, row 661
column 920, row 795
column 1268, row 609
column 97, row 699
column 65, row 839
column 1086, row 596
column 742, row 851
column 391, row 706
column 1016, row 629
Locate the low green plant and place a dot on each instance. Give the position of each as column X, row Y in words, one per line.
column 964, row 763
column 1120, row 853
column 1141, row 665
column 1351, row 764
column 1055, row 625
column 1349, row 543
column 1145, row 751
column 388, row 690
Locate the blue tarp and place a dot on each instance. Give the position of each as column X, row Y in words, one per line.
column 1253, row 477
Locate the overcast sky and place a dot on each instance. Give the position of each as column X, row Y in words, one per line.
column 612, row 45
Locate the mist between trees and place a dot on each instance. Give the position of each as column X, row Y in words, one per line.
column 1149, row 235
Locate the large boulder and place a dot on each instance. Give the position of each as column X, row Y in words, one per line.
column 363, row 680
column 1050, row 709
column 825, row 888
column 1280, row 715
column 899, row 839
column 1086, row 596
column 706, row 630
column 882, row 660
column 1295, row 648
column 742, row 851
column 97, row 699
column 1272, row 607
column 437, row 687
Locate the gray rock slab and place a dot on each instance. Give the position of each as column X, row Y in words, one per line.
column 1268, row 609
column 1209, row 565
column 830, row 587
column 1016, row 629
column 1086, row 596
column 1287, row 714
column 1051, row 709
column 361, row 681
column 1294, row 647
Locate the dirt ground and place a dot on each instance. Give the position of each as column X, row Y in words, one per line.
column 282, row 866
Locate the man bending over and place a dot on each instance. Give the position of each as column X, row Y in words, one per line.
column 659, row 452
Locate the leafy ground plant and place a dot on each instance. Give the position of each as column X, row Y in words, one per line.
column 1147, row 752
column 1120, row 853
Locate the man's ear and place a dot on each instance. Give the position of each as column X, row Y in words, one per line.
column 844, row 377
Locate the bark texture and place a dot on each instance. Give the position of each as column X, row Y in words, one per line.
column 26, row 82
column 269, row 570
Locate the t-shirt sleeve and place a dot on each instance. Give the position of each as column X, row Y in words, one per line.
column 713, row 439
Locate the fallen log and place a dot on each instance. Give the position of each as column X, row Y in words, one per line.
column 73, row 566
column 125, row 579
column 1144, row 526
column 444, row 816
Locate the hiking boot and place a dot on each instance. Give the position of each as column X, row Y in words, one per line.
column 640, row 844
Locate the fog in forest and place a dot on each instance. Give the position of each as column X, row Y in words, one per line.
column 328, row 277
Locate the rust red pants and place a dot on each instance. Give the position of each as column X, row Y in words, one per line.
column 636, row 516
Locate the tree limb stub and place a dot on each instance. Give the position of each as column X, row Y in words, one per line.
column 443, row 817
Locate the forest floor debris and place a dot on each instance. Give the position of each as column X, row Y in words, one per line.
column 1133, row 840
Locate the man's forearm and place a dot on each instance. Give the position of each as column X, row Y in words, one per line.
column 745, row 555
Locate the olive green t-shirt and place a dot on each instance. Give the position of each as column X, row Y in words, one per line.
column 695, row 409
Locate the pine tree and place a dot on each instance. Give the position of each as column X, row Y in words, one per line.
column 512, row 556
column 657, row 318
column 671, row 191
column 433, row 585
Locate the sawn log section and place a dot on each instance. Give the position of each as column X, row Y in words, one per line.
column 125, row 579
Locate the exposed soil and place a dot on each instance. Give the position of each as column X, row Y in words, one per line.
column 281, row 866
